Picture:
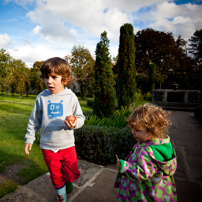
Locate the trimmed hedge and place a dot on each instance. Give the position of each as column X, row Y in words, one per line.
column 99, row 145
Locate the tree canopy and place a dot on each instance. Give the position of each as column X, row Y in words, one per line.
column 5, row 70
column 14, row 75
column 37, row 85
column 21, row 77
column 162, row 49
column 82, row 64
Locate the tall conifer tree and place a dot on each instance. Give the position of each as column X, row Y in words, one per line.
column 152, row 76
column 195, row 45
column 126, row 82
column 104, row 92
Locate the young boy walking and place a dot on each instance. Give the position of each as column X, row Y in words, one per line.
column 52, row 108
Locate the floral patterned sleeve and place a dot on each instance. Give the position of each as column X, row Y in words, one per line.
column 139, row 166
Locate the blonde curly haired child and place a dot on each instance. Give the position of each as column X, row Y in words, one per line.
column 147, row 172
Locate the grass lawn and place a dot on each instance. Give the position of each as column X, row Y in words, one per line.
column 14, row 116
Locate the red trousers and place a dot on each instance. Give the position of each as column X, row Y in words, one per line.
column 62, row 166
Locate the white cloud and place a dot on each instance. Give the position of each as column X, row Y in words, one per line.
column 181, row 20
column 109, row 19
column 82, row 22
column 30, row 54
column 5, row 41
column 166, row 10
column 88, row 18
column 37, row 29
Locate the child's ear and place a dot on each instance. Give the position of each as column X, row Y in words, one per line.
column 65, row 81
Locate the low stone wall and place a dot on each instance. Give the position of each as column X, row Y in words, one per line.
column 176, row 98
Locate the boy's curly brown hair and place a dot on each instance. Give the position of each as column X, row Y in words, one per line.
column 58, row 66
column 152, row 117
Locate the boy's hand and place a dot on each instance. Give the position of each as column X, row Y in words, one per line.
column 28, row 146
column 70, row 123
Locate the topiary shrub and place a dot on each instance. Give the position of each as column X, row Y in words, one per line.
column 104, row 91
column 100, row 144
column 126, row 81
column 198, row 113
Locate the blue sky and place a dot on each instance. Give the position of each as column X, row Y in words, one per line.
column 35, row 30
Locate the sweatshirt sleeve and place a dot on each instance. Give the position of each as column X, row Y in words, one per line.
column 145, row 169
column 77, row 111
column 34, row 123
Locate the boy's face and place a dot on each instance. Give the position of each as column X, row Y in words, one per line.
column 141, row 134
column 54, row 83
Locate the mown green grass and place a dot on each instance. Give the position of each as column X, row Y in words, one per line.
column 14, row 116
column 84, row 105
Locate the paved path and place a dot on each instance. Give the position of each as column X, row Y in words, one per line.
column 96, row 182
column 186, row 136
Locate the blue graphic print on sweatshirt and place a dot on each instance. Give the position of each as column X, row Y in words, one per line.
column 55, row 109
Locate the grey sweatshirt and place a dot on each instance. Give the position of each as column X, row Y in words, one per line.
column 49, row 113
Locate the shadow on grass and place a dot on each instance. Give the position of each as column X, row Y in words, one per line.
column 13, row 174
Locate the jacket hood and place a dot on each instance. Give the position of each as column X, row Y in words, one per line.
column 163, row 148
column 168, row 167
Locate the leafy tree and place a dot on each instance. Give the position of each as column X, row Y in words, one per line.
column 82, row 66
column 20, row 78
column 14, row 75
column 13, row 83
column 195, row 46
column 104, row 92
column 5, row 70
column 26, row 73
column 37, row 85
column 152, row 76
column 126, row 83
column 162, row 49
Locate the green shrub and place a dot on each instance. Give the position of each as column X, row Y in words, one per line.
column 118, row 119
column 90, row 102
column 138, row 96
column 100, row 139
column 143, row 82
column 88, row 113
column 198, row 113
column 152, row 76
column 100, row 144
